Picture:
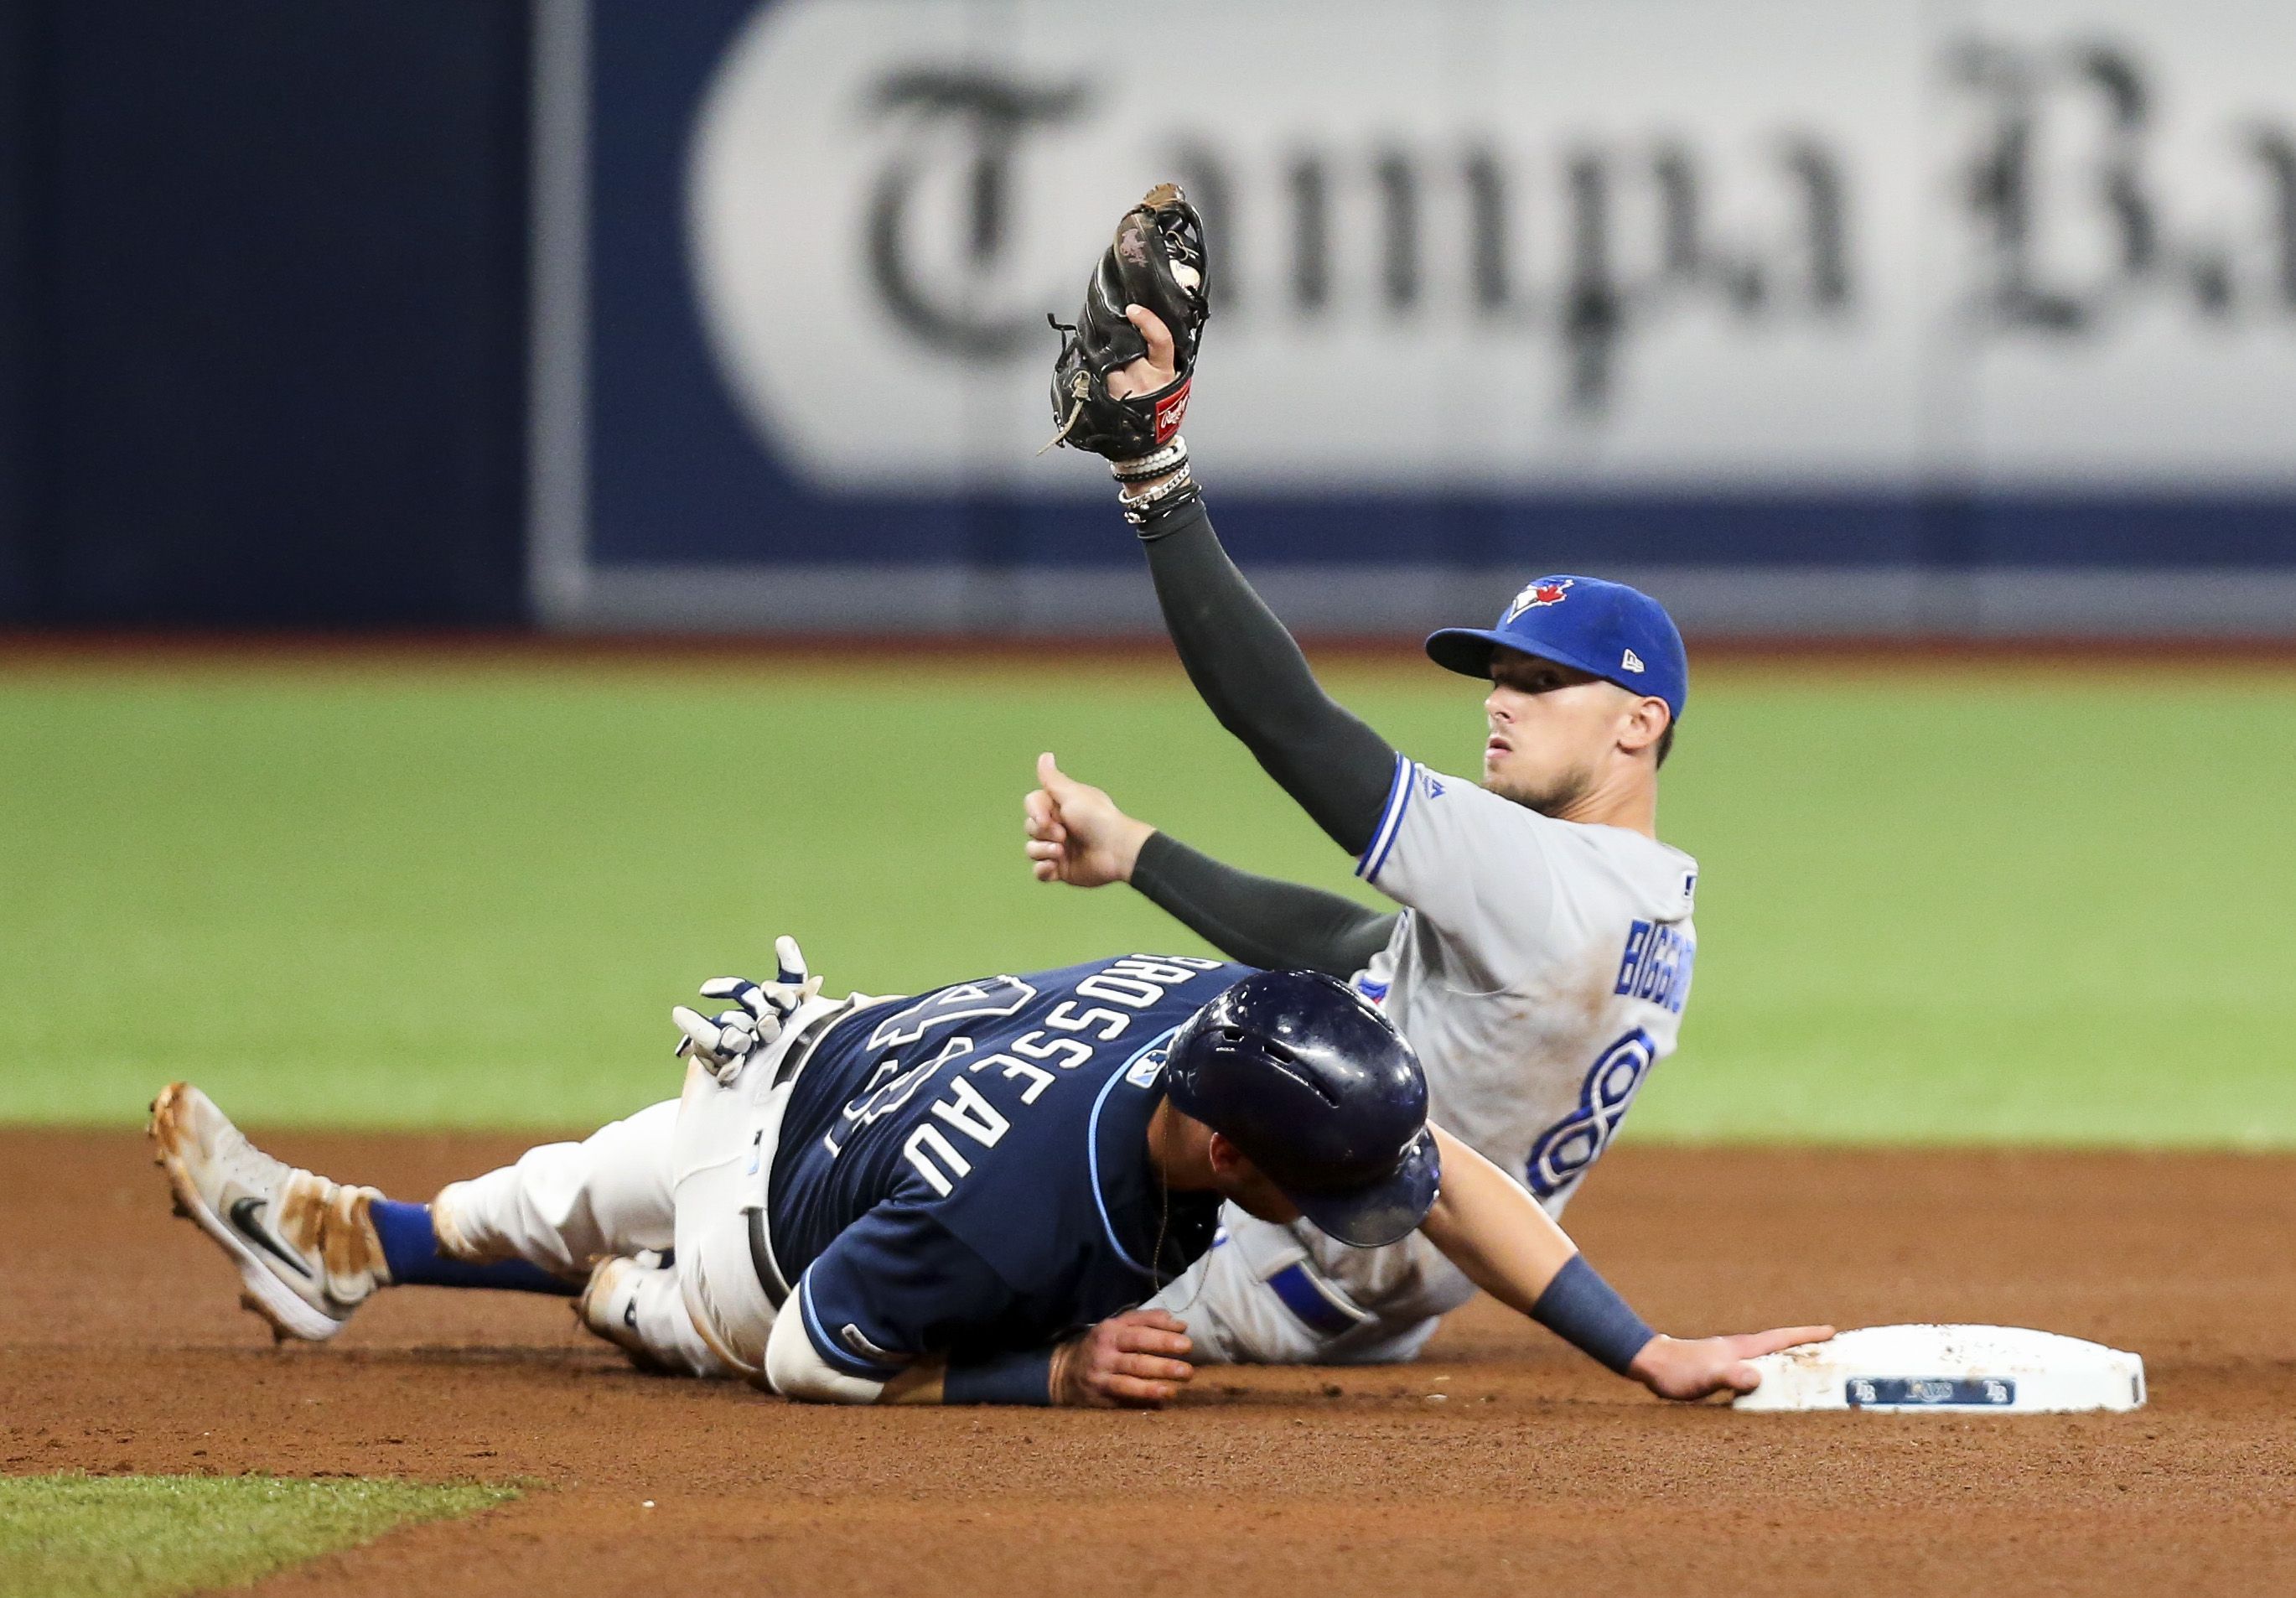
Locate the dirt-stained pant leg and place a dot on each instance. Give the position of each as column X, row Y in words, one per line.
column 683, row 1177
column 565, row 1206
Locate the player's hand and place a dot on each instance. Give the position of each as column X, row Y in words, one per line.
column 1674, row 1369
column 723, row 1041
column 770, row 1004
column 1153, row 371
column 1075, row 834
column 1136, row 1360
column 720, row 1042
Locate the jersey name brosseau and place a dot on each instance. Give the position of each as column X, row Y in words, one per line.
column 965, row 1172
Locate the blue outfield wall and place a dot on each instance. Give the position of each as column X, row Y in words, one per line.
column 262, row 312
column 1498, row 291
column 16, row 308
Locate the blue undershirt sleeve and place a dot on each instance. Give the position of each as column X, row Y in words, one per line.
column 1025, row 1377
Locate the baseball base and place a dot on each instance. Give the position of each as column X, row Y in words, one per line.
column 2004, row 1370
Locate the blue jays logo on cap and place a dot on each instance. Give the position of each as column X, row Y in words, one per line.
column 1605, row 629
column 1543, row 593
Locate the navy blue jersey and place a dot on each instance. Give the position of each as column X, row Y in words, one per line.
column 965, row 1173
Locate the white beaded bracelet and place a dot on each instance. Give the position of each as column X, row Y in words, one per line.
column 1156, row 463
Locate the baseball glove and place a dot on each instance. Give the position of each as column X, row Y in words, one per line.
column 1157, row 260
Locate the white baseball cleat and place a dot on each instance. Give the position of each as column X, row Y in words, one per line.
column 306, row 1246
column 609, row 1306
column 636, row 1304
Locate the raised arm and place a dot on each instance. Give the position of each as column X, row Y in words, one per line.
column 1076, row 835
column 1509, row 1247
column 1243, row 663
column 1253, row 678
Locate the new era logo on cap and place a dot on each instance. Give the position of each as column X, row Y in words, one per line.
column 1633, row 662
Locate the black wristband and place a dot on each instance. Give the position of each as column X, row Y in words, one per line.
column 1584, row 1310
column 1160, row 518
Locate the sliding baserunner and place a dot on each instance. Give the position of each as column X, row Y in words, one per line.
column 957, row 1198
column 1541, row 956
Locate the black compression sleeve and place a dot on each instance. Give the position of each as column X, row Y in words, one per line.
column 1259, row 920
column 1255, row 680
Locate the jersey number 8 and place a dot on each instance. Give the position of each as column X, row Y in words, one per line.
column 1565, row 1150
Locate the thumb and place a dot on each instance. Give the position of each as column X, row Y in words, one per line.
column 790, row 959
column 1055, row 781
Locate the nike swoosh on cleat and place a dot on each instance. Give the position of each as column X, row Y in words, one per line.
column 247, row 1215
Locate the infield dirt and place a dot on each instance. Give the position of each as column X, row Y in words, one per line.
column 1503, row 1462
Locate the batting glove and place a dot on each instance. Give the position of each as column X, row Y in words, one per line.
column 723, row 1041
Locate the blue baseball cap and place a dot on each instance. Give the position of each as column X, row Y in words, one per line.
column 1608, row 630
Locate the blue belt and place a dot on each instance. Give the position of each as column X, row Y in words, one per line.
column 1305, row 1298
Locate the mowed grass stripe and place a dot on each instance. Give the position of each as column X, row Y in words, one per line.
column 2024, row 906
column 149, row 1537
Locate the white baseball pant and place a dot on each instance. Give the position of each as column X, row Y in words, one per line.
column 684, row 1175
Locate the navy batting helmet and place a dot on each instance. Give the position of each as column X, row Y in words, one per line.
column 1320, row 1091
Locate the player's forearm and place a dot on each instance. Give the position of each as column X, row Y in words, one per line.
column 1505, row 1244
column 1252, row 677
column 1258, row 921
column 1493, row 1230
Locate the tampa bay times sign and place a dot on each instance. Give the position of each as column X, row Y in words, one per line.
column 1671, row 243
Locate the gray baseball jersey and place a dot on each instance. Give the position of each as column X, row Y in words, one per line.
column 1540, row 969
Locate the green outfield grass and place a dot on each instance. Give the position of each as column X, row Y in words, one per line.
column 2018, row 906
column 147, row 1536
